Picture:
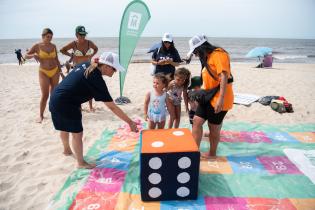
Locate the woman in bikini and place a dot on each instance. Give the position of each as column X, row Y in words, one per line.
column 45, row 53
column 81, row 50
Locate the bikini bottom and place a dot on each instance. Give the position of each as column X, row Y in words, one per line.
column 50, row 73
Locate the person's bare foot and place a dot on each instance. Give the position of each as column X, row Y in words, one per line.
column 86, row 165
column 40, row 119
column 206, row 155
column 67, row 152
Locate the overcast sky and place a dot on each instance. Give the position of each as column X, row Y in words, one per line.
column 215, row 18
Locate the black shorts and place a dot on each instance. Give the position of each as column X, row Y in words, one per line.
column 191, row 115
column 63, row 123
column 207, row 112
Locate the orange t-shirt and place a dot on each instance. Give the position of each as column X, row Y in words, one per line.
column 218, row 61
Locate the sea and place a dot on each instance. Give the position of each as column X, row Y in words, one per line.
column 284, row 50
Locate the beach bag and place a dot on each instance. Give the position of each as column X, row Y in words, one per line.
column 153, row 66
column 278, row 106
column 152, row 69
column 203, row 97
column 266, row 100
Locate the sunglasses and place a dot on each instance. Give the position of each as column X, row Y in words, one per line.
column 167, row 42
column 112, row 68
column 48, row 36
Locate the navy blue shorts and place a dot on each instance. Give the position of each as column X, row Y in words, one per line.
column 207, row 112
column 63, row 123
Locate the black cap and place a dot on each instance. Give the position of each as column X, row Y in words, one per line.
column 194, row 82
column 80, row 30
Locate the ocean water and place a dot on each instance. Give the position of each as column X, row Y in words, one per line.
column 284, row 50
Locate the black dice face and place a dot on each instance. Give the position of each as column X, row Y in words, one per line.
column 169, row 176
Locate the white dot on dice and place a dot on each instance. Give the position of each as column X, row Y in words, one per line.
column 183, row 177
column 155, row 178
column 155, row 192
column 157, row 144
column 178, row 133
column 184, row 162
column 155, row 163
column 183, row 191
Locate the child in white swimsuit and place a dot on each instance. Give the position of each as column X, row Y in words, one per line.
column 156, row 102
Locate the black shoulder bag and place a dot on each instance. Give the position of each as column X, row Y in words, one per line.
column 203, row 97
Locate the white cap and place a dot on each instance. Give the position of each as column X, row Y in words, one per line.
column 167, row 37
column 195, row 42
column 112, row 60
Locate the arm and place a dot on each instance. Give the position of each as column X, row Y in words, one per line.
column 223, row 82
column 94, row 47
column 32, row 53
column 58, row 63
column 65, row 49
column 171, row 110
column 185, row 94
column 154, row 62
column 57, row 59
column 146, row 105
column 170, row 84
column 119, row 113
column 175, row 61
column 172, row 63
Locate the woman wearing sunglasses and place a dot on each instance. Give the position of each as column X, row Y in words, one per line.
column 81, row 50
column 166, row 58
column 83, row 83
column 45, row 53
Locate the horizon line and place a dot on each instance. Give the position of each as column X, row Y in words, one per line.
column 160, row 37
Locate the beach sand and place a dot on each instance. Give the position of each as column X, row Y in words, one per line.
column 32, row 166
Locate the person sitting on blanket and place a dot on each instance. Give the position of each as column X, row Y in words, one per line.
column 83, row 83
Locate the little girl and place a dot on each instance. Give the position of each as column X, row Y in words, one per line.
column 176, row 89
column 156, row 102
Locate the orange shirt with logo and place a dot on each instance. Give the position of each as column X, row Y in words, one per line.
column 218, row 61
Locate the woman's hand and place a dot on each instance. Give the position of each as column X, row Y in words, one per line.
column 162, row 62
column 219, row 105
column 133, row 126
column 36, row 57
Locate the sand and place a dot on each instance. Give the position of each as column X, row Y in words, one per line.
column 32, row 167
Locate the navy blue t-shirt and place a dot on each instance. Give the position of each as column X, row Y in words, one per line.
column 160, row 55
column 76, row 89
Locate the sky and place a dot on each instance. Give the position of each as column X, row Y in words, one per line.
column 185, row 18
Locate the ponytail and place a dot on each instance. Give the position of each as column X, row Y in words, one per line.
column 92, row 67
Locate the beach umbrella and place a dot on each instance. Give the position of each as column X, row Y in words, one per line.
column 259, row 52
column 154, row 47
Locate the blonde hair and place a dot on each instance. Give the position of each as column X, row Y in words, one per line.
column 91, row 68
column 163, row 78
column 183, row 72
column 47, row 31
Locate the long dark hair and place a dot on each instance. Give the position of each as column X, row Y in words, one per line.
column 204, row 51
column 163, row 49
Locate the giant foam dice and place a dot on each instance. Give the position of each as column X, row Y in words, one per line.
column 169, row 167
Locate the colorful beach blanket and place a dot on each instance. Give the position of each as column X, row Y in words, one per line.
column 258, row 167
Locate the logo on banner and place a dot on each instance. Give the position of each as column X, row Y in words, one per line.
column 134, row 20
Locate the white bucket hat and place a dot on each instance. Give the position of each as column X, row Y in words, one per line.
column 167, row 37
column 112, row 60
column 195, row 42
